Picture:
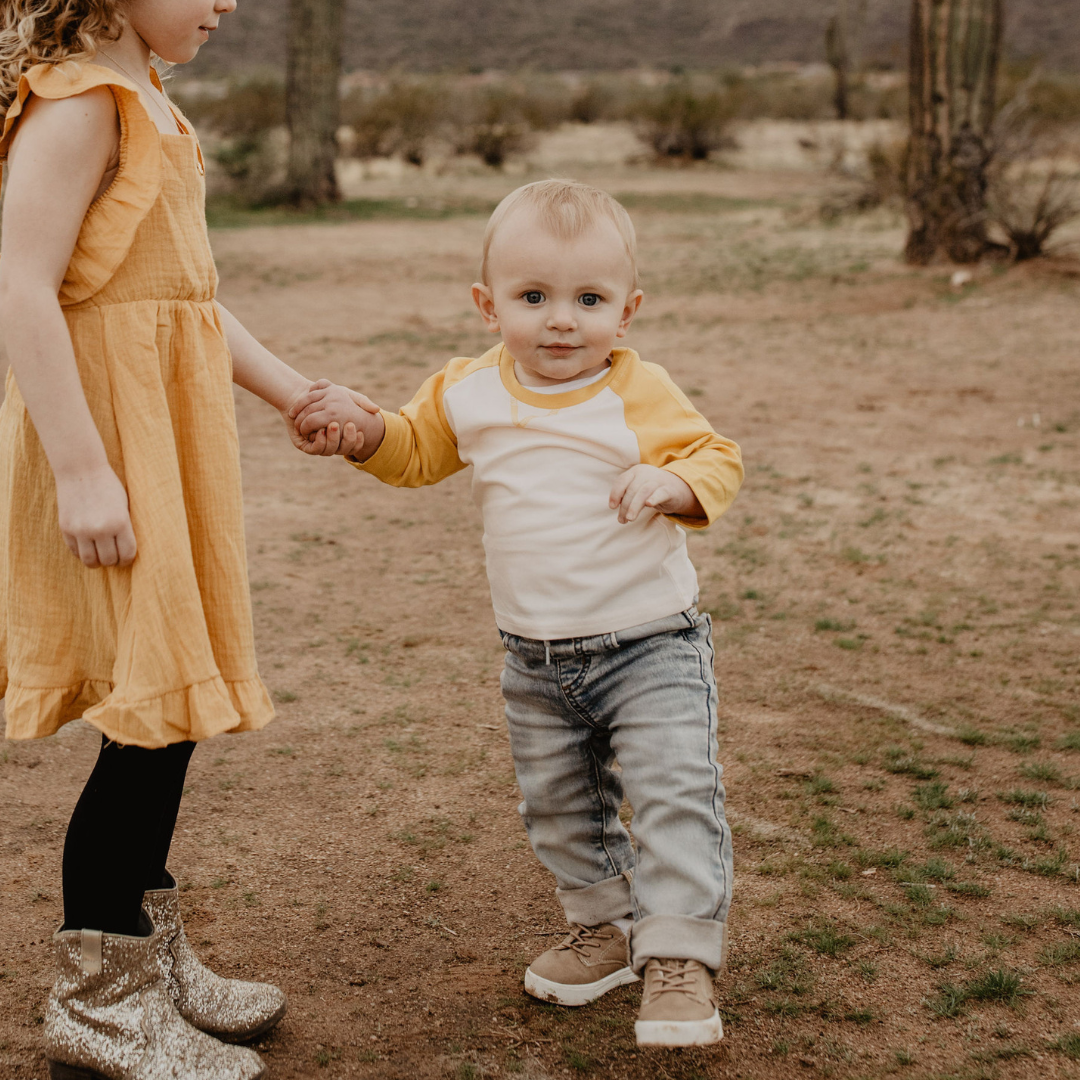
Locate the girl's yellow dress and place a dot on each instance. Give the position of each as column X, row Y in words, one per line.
column 162, row 651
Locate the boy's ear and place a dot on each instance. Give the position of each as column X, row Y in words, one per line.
column 633, row 302
column 485, row 304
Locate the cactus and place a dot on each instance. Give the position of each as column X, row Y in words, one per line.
column 313, row 101
column 955, row 50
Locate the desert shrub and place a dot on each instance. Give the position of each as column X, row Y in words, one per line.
column 244, row 119
column 883, row 183
column 784, row 96
column 596, row 100
column 1031, row 194
column 401, row 119
column 491, row 122
column 686, row 122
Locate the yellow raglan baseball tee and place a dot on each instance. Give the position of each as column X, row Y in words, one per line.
column 559, row 563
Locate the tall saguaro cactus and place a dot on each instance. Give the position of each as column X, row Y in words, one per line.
column 955, row 49
column 313, row 100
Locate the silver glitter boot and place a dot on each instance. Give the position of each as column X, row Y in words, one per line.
column 228, row 1009
column 110, row 1017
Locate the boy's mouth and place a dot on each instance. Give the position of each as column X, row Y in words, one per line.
column 559, row 347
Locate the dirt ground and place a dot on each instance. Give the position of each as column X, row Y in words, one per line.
column 895, row 603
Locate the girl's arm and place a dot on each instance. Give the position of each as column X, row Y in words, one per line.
column 59, row 160
column 257, row 369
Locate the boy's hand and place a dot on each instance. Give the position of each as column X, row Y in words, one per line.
column 647, row 486
column 326, row 403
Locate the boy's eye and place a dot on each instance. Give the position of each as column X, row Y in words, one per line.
column 590, row 299
column 534, row 297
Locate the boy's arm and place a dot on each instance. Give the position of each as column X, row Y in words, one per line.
column 410, row 448
column 675, row 437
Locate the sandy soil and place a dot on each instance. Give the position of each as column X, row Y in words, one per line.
column 895, row 600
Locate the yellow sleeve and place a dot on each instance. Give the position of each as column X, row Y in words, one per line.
column 673, row 435
column 419, row 446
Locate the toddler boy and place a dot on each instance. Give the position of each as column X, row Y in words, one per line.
column 586, row 462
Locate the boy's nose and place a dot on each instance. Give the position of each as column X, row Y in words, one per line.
column 561, row 319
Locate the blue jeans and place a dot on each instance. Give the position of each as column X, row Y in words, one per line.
column 647, row 697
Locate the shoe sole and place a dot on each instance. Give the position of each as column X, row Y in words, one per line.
column 679, row 1032
column 59, row 1071
column 574, row 994
column 248, row 1036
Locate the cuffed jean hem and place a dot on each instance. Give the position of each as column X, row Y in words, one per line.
column 597, row 903
column 678, row 937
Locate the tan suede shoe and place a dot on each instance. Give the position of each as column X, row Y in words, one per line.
column 677, row 1006
column 589, row 962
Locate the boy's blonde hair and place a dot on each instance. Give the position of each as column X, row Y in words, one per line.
column 568, row 209
column 50, row 32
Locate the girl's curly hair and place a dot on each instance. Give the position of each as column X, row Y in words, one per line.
column 50, row 32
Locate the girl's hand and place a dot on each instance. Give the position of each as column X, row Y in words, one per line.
column 646, row 486
column 94, row 518
column 333, row 439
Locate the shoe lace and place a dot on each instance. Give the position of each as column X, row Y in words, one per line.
column 674, row 976
column 584, row 939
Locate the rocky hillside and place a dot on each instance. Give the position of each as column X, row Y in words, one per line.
column 427, row 35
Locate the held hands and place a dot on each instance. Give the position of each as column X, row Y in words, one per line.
column 94, row 518
column 330, row 419
column 647, row 486
column 326, row 419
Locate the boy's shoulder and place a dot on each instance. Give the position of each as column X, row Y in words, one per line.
column 650, row 382
column 461, row 367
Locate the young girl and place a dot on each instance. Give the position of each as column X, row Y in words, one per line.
column 123, row 584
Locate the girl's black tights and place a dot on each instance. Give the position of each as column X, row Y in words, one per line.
column 118, row 839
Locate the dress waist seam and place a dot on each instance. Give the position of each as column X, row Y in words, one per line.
column 90, row 305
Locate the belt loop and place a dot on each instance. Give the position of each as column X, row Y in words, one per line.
column 547, row 653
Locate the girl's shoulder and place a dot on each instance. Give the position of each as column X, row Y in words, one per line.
column 102, row 91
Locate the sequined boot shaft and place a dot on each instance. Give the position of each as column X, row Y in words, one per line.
column 110, row 1017
column 228, row 1009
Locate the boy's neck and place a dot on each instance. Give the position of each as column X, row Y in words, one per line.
column 530, row 378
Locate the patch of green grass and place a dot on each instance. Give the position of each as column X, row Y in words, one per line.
column 968, row 888
column 784, row 1007
column 1049, row 866
column 922, row 895
column 997, row 985
column 1069, row 1045
column 787, row 973
column 839, row 870
column 889, row 859
column 1021, row 744
column 223, row 212
column 971, row 736
column 1059, row 952
column 285, row 696
column 834, row 624
column 867, row 970
column 1019, row 797
column 824, row 939
column 961, row 830
column 948, row 1003
column 932, row 796
column 903, row 762
column 819, row 785
column 860, row 1016
column 1045, row 771
column 1067, row 916
column 904, row 1057
column 1070, row 741
column 823, row 833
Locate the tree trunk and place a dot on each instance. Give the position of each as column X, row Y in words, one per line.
column 313, row 99
column 836, row 52
column 955, row 49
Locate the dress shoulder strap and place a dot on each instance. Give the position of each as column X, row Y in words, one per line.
column 112, row 220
